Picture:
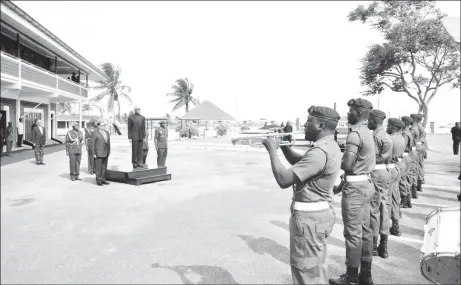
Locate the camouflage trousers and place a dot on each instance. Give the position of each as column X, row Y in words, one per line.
column 39, row 153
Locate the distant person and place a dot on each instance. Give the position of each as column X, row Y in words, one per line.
column 73, row 77
column 77, row 79
column 39, row 140
column 20, row 128
column 100, row 147
column 74, row 142
column 456, row 137
column 288, row 129
column 9, row 139
column 2, row 135
column 161, row 144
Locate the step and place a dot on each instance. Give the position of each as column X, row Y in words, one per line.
column 125, row 173
column 148, row 179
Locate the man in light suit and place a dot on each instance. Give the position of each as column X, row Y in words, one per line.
column 136, row 135
column 100, row 148
column 39, row 140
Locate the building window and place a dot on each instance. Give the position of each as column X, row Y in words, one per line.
column 62, row 125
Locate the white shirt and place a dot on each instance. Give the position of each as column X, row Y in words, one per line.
column 41, row 129
column 20, row 128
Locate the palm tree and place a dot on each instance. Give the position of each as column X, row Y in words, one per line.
column 112, row 88
column 182, row 90
column 92, row 106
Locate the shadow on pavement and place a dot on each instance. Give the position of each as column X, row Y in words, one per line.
column 267, row 246
column 26, row 154
column 20, row 202
column 207, row 274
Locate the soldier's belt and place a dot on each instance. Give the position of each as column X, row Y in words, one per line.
column 391, row 165
column 380, row 166
column 419, row 143
column 413, row 148
column 405, row 154
column 356, row 178
column 311, row 207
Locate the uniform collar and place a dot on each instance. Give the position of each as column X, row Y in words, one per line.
column 324, row 140
column 378, row 129
column 359, row 124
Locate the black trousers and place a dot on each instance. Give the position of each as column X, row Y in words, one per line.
column 161, row 157
column 101, row 167
column 456, row 146
column 145, row 152
column 136, row 151
column 19, row 144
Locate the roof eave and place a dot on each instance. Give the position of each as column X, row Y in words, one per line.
column 32, row 21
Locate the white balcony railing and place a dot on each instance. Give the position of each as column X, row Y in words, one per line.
column 10, row 65
column 22, row 70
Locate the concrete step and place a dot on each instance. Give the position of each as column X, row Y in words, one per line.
column 148, row 179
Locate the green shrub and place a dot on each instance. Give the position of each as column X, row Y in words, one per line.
column 244, row 128
column 221, row 130
column 187, row 131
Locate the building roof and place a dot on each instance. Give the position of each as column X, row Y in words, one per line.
column 61, row 118
column 209, row 112
column 452, row 25
column 32, row 21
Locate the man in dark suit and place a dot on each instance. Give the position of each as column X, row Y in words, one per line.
column 100, row 148
column 2, row 134
column 288, row 129
column 136, row 135
column 456, row 137
column 39, row 140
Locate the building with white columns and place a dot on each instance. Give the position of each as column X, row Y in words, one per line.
column 36, row 72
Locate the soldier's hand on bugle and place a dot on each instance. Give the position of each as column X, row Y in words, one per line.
column 271, row 144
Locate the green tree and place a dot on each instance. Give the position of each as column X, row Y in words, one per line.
column 93, row 106
column 182, row 91
column 112, row 89
column 64, row 109
column 418, row 56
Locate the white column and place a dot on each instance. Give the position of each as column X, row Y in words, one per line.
column 49, row 121
column 80, row 113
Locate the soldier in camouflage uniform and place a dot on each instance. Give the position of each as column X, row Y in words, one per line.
column 74, row 141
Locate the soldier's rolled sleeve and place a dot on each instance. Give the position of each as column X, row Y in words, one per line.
column 352, row 142
column 310, row 164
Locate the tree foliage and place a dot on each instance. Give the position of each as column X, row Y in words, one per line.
column 418, row 55
column 65, row 109
column 182, row 91
column 112, row 89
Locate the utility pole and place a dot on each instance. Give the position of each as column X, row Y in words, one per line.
column 334, row 106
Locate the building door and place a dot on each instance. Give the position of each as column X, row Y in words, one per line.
column 3, row 120
column 29, row 120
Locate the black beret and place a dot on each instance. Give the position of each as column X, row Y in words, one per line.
column 413, row 116
column 324, row 113
column 419, row 116
column 396, row 122
column 407, row 120
column 378, row 113
column 75, row 124
column 361, row 103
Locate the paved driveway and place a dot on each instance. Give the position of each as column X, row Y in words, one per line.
column 220, row 220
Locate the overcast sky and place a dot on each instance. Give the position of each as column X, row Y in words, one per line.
column 253, row 59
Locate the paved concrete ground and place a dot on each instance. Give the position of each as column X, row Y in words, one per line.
column 220, row 220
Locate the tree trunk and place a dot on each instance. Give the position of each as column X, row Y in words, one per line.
column 187, row 107
column 424, row 110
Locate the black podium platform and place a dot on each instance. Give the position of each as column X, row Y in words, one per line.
column 137, row 177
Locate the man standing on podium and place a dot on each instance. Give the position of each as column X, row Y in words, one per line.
column 136, row 135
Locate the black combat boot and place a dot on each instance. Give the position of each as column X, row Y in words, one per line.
column 375, row 246
column 365, row 274
column 414, row 192
column 420, row 186
column 406, row 202
column 349, row 278
column 395, row 229
column 382, row 249
column 72, row 178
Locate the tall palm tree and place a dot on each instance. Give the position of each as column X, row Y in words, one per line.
column 112, row 89
column 182, row 90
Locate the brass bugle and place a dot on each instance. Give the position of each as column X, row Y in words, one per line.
column 253, row 138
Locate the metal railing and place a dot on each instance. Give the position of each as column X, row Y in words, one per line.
column 22, row 70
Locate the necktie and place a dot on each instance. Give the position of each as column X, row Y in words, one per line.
column 104, row 135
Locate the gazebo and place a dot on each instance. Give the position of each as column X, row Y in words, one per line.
column 208, row 112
